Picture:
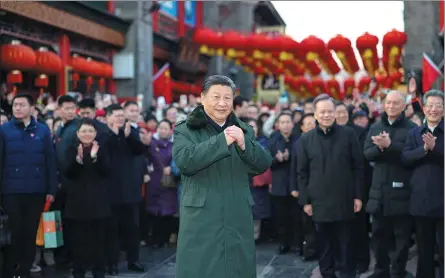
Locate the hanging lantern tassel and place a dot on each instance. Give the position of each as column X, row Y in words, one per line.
column 102, row 85
column 89, row 82
column 75, row 77
column 41, row 81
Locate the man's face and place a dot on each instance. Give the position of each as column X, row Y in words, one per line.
column 285, row 124
column 433, row 109
column 87, row 113
column 68, row 111
column 241, row 111
column 21, row 108
column 341, row 115
column 308, row 108
column 117, row 117
column 218, row 102
column 308, row 124
column 132, row 113
column 394, row 104
column 171, row 114
column 325, row 113
column 252, row 112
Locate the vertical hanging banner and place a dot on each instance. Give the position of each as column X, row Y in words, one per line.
column 270, row 86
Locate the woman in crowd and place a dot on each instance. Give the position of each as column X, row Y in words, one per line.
column 162, row 202
column 87, row 204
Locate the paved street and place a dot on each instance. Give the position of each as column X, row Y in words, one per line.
column 161, row 264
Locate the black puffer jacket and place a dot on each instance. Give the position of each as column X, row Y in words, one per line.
column 387, row 195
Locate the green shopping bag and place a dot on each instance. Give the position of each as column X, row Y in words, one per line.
column 52, row 229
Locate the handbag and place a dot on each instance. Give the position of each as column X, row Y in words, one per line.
column 5, row 229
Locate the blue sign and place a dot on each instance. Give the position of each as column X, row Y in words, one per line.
column 169, row 8
column 190, row 13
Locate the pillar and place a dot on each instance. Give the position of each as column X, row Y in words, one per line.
column 181, row 19
column 111, row 83
column 111, row 7
column 199, row 13
column 64, row 53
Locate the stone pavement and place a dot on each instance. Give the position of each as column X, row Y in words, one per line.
column 161, row 264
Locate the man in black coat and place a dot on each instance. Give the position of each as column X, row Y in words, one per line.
column 330, row 180
column 125, row 191
column 424, row 153
column 389, row 195
column 286, row 206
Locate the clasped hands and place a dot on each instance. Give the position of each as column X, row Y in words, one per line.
column 93, row 153
column 235, row 134
column 382, row 141
column 429, row 141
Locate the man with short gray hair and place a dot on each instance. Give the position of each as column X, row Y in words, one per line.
column 424, row 152
column 390, row 191
column 216, row 154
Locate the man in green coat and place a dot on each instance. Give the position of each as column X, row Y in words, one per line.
column 216, row 154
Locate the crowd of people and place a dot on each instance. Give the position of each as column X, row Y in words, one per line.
column 340, row 171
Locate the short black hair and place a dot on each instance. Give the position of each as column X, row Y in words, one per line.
column 3, row 113
column 113, row 107
column 27, row 96
column 130, row 102
column 309, row 100
column 339, row 103
column 238, row 101
column 87, row 103
column 167, row 122
column 323, row 97
column 217, row 80
column 86, row 121
column 66, row 99
column 307, row 115
column 284, row 114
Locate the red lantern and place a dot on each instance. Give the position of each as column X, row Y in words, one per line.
column 261, row 42
column 333, row 88
column 208, row 39
column 393, row 43
column 313, row 47
column 348, row 86
column 107, row 70
column 363, row 84
column 318, row 86
column 16, row 56
column 14, row 77
column 233, row 42
column 41, row 81
column 79, row 64
column 304, row 87
column 343, row 49
column 47, row 61
column 367, row 46
column 394, row 37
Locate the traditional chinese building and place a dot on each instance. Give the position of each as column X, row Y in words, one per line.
column 58, row 47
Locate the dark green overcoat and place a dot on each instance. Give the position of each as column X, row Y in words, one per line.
column 216, row 224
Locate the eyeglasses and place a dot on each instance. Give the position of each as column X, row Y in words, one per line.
column 435, row 105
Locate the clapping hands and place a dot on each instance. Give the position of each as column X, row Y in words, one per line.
column 429, row 141
column 382, row 140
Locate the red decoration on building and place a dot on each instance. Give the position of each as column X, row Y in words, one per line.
column 14, row 77
column 41, row 81
column 363, row 84
column 16, row 56
column 348, row 86
column 47, row 62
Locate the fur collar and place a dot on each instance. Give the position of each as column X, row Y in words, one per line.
column 197, row 119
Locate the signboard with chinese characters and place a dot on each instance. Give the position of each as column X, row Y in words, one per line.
column 270, row 86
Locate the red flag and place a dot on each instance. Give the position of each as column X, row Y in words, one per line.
column 430, row 73
column 162, row 84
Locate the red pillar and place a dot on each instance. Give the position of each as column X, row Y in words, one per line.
column 111, row 82
column 110, row 7
column 62, row 77
column 199, row 13
column 155, row 20
column 181, row 19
